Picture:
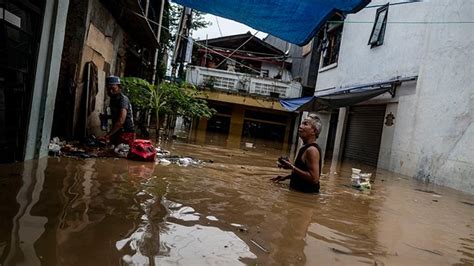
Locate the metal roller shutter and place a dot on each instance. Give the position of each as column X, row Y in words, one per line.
column 364, row 133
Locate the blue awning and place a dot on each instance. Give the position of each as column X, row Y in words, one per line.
column 293, row 21
column 341, row 97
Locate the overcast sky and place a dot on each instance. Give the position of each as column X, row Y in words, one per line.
column 228, row 27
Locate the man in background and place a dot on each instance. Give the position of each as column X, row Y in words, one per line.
column 123, row 130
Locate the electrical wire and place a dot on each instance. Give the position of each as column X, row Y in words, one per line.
column 218, row 26
column 250, row 38
column 395, row 4
column 342, row 22
column 194, row 41
column 400, row 22
column 243, row 51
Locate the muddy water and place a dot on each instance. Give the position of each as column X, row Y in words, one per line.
column 64, row 211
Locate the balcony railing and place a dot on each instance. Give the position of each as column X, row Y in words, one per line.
column 241, row 82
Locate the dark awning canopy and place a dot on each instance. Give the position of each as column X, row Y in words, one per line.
column 334, row 98
column 293, row 21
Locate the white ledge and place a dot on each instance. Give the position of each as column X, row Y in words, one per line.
column 328, row 67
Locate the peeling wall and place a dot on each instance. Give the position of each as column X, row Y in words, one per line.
column 104, row 40
column 433, row 135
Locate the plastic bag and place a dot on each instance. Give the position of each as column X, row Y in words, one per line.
column 142, row 150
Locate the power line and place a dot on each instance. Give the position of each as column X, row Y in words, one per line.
column 195, row 42
column 400, row 22
column 342, row 22
column 281, row 57
column 218, row 26
column 395, row 4
column 248, row 40
column 243, row 51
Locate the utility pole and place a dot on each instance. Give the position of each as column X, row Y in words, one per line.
column 154, row 79
column 184, row 29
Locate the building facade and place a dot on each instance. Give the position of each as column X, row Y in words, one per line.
column 423, row 128
column 32, row 34
column 46, row 90
column 102, row 38
column 242, row 77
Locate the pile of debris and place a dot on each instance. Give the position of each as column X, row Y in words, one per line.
column 181, row 161
column 93, row 147
column 57, row 147
column 360, row 180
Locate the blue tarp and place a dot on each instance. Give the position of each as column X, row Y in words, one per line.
column 293, row 21
column 295, row 104
column 333, row 100
column 341, row 97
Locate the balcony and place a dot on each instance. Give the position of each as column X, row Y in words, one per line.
column 242, row 83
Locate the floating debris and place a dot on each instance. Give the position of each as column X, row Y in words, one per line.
column 181, row 161
column 427, row 191
column 360, row 180
column 122, row 150
column 162, row 152
column 163, row 161
column 467, row 203
column 259, row 246
column 55, row 146
column 427, row 250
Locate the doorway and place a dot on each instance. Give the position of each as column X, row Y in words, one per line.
column 363, row 136
column 20, row 32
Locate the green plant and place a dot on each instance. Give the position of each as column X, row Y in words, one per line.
column 166, row 98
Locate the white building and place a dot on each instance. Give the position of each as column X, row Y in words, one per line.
column 426, row 129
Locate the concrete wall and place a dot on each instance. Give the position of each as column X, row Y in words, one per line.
column 103, row 42
column 323, row 135
column 72, row 52
column 398, row 56
column 437, row 142
column 273, row 70
column 304, row 67
column 46, row 79
column 432, row 136
column 388, row 132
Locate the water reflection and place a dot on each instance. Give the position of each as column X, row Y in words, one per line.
column 26, row 227
column 62, row 211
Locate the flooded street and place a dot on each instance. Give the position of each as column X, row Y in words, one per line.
column 67, row 211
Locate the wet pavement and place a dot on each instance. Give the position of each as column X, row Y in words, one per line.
column 66, row 211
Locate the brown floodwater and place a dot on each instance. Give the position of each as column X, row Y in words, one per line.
column 68, row 211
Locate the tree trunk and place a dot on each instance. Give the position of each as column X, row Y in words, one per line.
column 157, row 125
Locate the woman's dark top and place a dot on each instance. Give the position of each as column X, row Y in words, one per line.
column 298, row 183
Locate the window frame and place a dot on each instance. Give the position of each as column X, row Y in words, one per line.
column 381, row 33
column 333, row 30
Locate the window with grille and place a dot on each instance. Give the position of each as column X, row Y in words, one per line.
column 332, row 41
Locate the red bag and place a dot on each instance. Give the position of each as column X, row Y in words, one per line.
column 142, row 150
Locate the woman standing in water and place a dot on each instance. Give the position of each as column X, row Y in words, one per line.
column 306, row 171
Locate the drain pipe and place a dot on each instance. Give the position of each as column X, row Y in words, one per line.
column 158, row 36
